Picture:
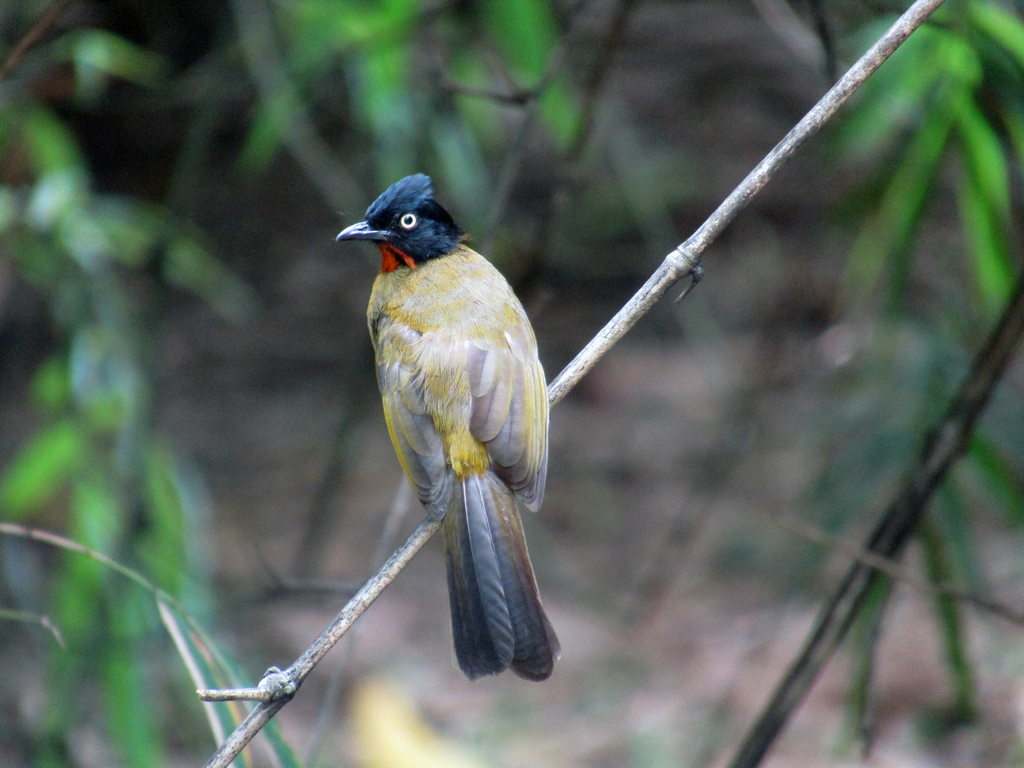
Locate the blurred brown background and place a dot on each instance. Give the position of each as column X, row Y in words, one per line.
column 184, row 315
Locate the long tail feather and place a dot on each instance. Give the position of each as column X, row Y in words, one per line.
column 497, row 618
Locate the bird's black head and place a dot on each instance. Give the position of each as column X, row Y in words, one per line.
column 407, row 224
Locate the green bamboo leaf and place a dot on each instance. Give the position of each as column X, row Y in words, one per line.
column 483, row 116
column 282, row 749
column 1004, row 27
column 1014, row 122
column 51, row 145
column 56, row 196
column 901, row 93
column 99, row 54
column 525, row 31
column 75, row 601
column 51, row 385
column 320, row 27
column 97, row 513
column 41, row 468
column 132, row 228
column 10, row 208
column 385, row 69
column 162, row 545
column 893, row 96
column 96, row 518
column 206, row 662
column 984, row 156
column 263, row 139
column 1002, row 476
column 127, row 684
column 396, row 14
column 210, row 668
column 986, row 240
column 952, row 522
column 464, row 170
column 190, row 648
column 188, row 264
column 950, row 620
column 887, row 232
column 385, row 104
column 864, row 638
column 83, row 236
column 560, row 112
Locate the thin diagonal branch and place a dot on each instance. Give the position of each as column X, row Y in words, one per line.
column 9, row 614
column 946, row 443
column 279, row 687
column 516, row 98
column 897, row 570
column 33, row 36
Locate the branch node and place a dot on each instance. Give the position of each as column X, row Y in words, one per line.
column 277, row 685
column 696, row 273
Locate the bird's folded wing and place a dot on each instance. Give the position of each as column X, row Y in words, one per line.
column 413, row 433
column 509, row 410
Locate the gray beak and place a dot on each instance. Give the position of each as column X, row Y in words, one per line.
column 362, row 231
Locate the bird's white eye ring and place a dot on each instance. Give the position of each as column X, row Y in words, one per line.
column 408, row 220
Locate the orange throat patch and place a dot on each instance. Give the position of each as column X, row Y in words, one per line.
column 392, row 258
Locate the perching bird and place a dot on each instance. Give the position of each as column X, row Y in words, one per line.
column 466, row 406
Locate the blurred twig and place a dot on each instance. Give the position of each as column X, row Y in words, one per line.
column 278, row 687
column 281, row 586
column 62, row 542
column 947, row 442
column 516, row 97
column 8, row 614
column 309, row 553
column 33, row 36
column 659, row 570
column 828, row 43
column 320, row 165
column 862, row 696
column 514, row 157
column 591, row 90
column 897, row 570
column 797, row 36
column 401, row 503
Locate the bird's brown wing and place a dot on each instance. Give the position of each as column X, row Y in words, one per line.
column 410, row 424
column 509, row 409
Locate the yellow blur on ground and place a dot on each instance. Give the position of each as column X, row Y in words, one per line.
column 391, row 734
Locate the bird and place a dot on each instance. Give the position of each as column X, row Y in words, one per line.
column 465, row 401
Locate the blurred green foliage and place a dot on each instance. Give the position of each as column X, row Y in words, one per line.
column 393, row 64
column 948, row 101
column 942, row 121
column 95, row 467
column 95, row 463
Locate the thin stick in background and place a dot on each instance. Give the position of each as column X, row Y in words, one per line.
column 33, row 36
column 946, row 443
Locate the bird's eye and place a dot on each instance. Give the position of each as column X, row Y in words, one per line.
column 408, row 220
